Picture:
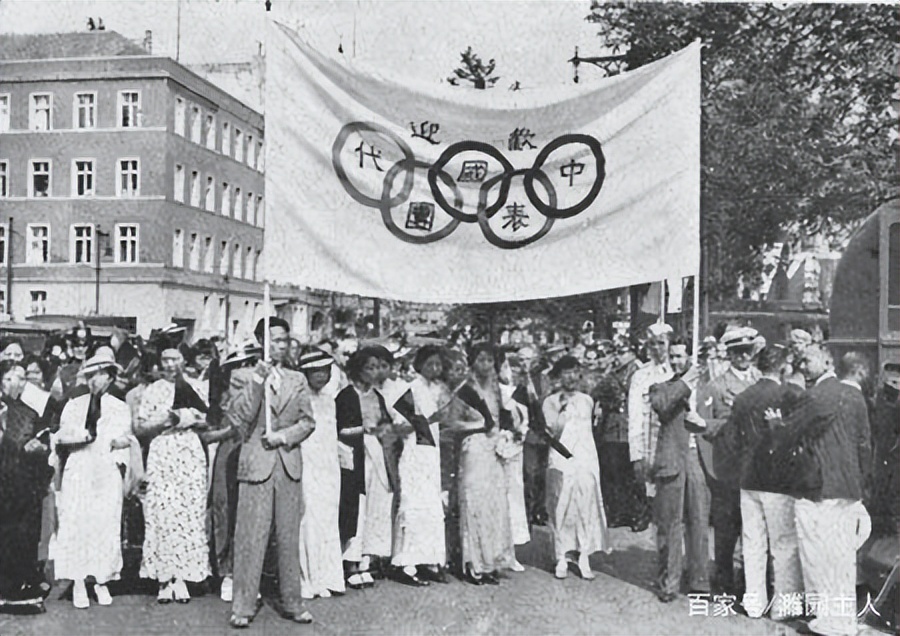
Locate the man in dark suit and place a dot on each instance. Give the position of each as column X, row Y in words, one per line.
column 269, row 473
column 682, row 497
column 831, row 521
column 767, row 515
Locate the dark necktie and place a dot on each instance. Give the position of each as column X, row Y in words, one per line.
column 93, row 416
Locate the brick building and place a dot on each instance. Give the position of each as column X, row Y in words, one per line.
column 109, row 152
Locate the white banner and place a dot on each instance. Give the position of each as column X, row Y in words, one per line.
column 451, row 194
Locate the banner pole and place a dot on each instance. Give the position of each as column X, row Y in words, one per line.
column 662, row 301
column 696, row 318
column 267, row 354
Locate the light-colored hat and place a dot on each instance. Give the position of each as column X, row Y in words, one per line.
column 242, row 352
column 315, row 359
column 660, row 329
column 740, row 337
column 801, row 337
column 102, row 359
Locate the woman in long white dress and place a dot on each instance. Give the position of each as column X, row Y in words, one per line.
column 175, row 548
column 419, row 547
column 94, row 441
column 321, row 569
column 574, row 500
column 510, row 448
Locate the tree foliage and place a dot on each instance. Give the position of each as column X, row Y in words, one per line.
column 473, row 69
column 799, row 119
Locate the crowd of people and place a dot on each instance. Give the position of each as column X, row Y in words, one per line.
column 338, row 470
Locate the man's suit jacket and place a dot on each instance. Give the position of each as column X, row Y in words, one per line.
column 746, row 429
column 670, row 401
column 292, row 415
column 714, row 402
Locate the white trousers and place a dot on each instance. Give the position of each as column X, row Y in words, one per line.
column 768, row 525
column 830, row 532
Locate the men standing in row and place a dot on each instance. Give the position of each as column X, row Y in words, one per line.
column 834, row 420
column 714, row 403
column 682, row 497
column 269, row 470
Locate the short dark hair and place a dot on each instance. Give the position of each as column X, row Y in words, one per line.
column 358, row 360
column 772, row 358
column 7, row 365
column 479, row 348
column 424, row 353
column 850, row 362
column 681, row 341
column 274, row 321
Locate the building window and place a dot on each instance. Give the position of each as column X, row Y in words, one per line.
column 3, row 244
column 251, row 152
column 82, row 177
column 4, row 116
column 260, row 157
column 195, row 189
column 85, row 110
column 211, row 132
column 226, row 199
column 39, row 117
column 196, row 123
column 127, row 243
column 179, row 116
column 224, row 259
column 236, row 262
column 238, row 204
column 37, row 250
column 4, row 179
column 209, row 201
column 248, row 264
column 178, row 249
column 209, row 255
column 256, row 265
column 81, row 247
column 179, row 183
column 38, row 302
column 251, row 214
column 129, row 178
column 226, row 139
column 260, row 211
column 238, row 145
column 2, row 302
column 129, row 109
column 40, row 178
column 194, row 262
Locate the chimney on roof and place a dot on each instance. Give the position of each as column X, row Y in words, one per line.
column 148, row 41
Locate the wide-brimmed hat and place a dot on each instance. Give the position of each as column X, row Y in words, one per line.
column 740, row 337
column 79, row 336
column 314, row 359
column 102, row 359
column 247, row 350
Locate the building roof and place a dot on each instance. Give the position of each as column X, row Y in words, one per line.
column 66, row 45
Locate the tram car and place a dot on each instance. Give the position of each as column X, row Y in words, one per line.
column 865, row 317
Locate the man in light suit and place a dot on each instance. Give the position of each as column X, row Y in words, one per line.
column 269, row 474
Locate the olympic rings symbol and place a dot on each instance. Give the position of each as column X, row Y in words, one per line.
column 493, row 192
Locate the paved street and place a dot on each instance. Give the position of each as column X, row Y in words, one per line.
column 529, row 603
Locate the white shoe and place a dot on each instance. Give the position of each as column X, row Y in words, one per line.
column 562, row 569
column 517, row 567
column 226, row 593
column 80, row 596
column 103, row 596
column 180, row 591
column 584, row 566
column 325, row 594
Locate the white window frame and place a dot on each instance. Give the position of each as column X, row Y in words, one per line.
column 2, row 301
column 196, row 119
column 5, row 111
column 226, row 138
column 76, row 108
column 250, row 210
column 237, row 257
column 38, row 302
column 33, row 254
column 31, row 176
column 211, row 131
column 238, row 145
column 260, row 210
column 224, row 258
column 256, row 265
column 73, row 240
column 136, row 192
column 209, row 196
column 89, row 192
column 4, row 178
column 251, row 151
column 194, row 252
column 4, row 243
column 195, row 189
column 32, row 111
column 238, row 204
column 134, row 240
column 209, row 254
column 178, row 188
column 226, row 199
column 180, row 116
column 135, row 120
column 178, row 248
column 261, row 156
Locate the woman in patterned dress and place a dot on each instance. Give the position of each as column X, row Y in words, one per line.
column 175, row 544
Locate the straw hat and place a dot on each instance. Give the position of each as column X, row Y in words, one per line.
column 102, row 359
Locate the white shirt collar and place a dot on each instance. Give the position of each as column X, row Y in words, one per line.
column 746, row 375
column 825, row 376
column 852, row 383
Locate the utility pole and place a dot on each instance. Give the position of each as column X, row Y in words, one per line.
column 9, row 272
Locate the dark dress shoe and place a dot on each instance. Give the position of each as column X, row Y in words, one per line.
column 411, row 579
column 436, row 575
column 468, row 577
column 491, row 578
column 667, row 597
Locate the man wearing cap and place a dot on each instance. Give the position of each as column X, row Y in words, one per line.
column 643, row 423
column 321, row 565
column 271, row 409
column 714, row 402
column 574, row 499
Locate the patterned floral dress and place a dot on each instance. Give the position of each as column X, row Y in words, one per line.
column 175, row 543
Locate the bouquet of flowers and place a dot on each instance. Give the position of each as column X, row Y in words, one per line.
column 508, row 444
